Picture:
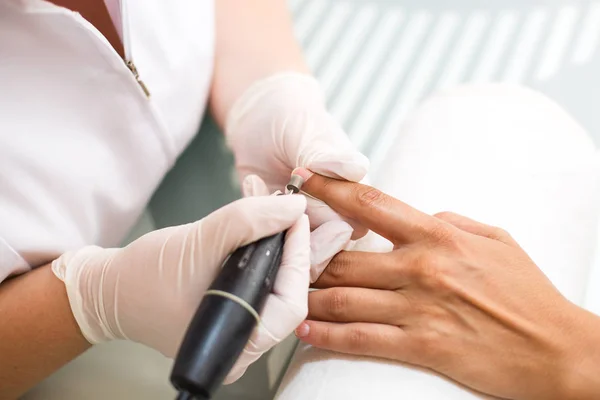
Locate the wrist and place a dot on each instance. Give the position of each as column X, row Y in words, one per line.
column 83, row 272
column 579, row 376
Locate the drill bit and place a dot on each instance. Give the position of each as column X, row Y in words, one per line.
column 294, row 185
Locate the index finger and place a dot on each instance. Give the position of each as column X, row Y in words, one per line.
column 383, row 214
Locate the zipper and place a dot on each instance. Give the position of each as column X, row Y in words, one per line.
column 127, row 47
column 136, row 75
column 152, row 111
column 126, row 40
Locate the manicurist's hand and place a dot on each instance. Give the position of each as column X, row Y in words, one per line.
column 280, row 123
column 148, row 291
column 274, row 115
column 455, row 296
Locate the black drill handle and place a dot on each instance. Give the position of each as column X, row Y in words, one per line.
column 226, row 317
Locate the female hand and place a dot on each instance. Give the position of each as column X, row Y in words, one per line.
column 148, row 291
column 456, row 296
column 281, row 123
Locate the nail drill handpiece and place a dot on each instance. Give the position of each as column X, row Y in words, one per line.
column 228, row 314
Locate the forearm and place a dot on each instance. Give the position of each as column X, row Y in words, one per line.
column 38, row 333
column 252, row 42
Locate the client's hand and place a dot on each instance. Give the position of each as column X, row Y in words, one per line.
column 456, row 296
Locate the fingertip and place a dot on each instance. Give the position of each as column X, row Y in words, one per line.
column 301, row 226
column 304, row 223
column 320, row 213
column 234, row 375
column 294, row 204
column 299, row 200
column 318, row 184
column 302, row 331
column 253, row 185
column 274, row 212
column 297, row 247
column 303, row 172
column 247, row 186
column 356, row 168
column 350, row 166
column 359, row 232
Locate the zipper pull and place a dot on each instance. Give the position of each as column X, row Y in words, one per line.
column 136, row 75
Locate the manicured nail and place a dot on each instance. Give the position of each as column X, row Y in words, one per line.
column 303, row 172
column 302, row 330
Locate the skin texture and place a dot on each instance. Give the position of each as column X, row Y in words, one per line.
column 38, row 333
column 456, row 296
column 258, row 37
column 41, row 334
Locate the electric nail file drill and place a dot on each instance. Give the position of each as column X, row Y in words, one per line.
column 228, row 314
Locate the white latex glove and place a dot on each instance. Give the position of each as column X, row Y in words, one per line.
column 281, row 123
column 325, row 241
column 148, row 291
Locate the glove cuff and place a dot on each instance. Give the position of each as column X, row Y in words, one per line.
column 78, row 270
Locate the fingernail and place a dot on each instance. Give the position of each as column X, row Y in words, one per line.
column 302, row 330
column 303, row 172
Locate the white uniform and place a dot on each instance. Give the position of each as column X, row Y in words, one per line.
column 83, row 147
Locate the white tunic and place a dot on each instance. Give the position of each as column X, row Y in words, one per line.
column 81, row 145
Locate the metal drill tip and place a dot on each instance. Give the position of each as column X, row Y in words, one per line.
column 294, row 185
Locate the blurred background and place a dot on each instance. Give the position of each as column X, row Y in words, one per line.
column 376, row 60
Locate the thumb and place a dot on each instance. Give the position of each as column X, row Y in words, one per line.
column 254, row 186
column 348, row 164
column 245, row 221
column 331, row 153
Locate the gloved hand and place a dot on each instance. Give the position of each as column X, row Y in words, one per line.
column 281, row 123
column 148, row 291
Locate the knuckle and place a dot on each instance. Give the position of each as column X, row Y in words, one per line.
column 443, row 234
column 336, row 303
column 412, row 269
column 324, row 337
column 339, row 267
column 358, row 339
column 237, row 214
column 429, row 343
column 429, row 270
column 445, row 215
column 433, row 313
column 369, row 197
column 499, row 233
column 424, row 264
